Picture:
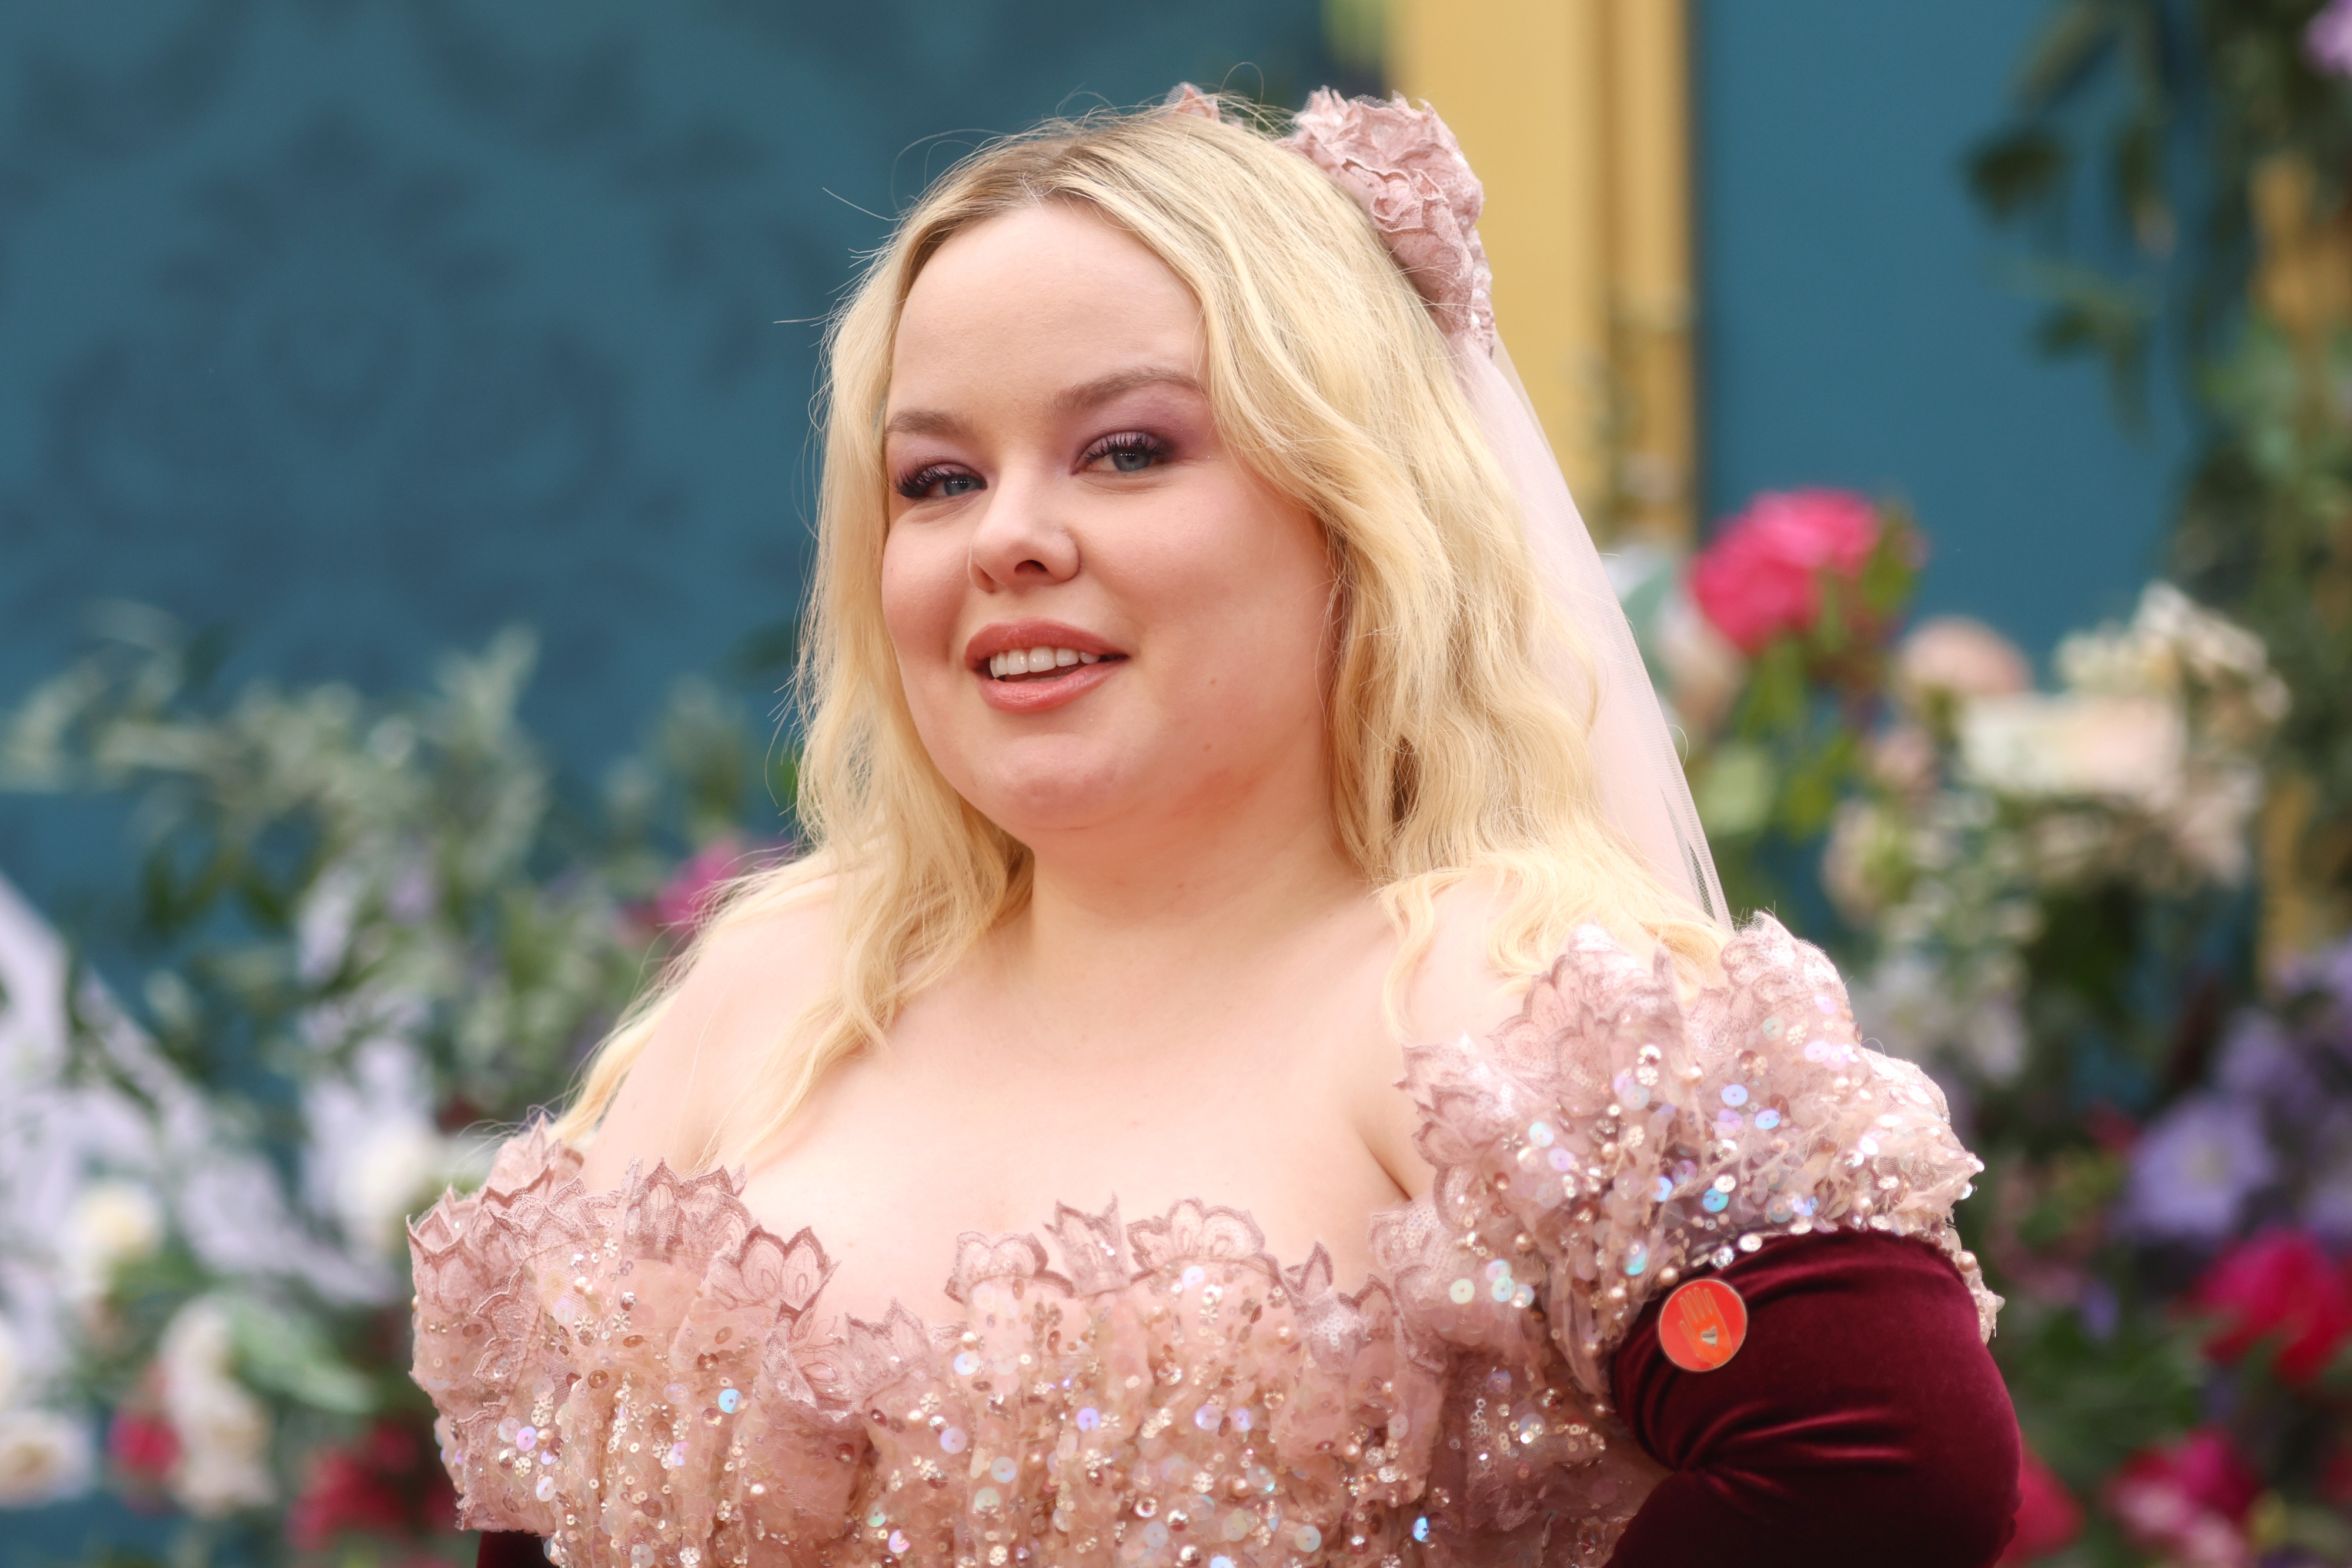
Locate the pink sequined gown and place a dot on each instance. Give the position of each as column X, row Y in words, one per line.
column 647, row 1377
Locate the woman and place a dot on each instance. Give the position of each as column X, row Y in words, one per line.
column 1190, row 730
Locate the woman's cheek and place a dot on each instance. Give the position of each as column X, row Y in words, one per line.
column 921, row 592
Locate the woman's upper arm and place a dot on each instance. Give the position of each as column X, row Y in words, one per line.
column 1862, row 1419
column 743, row 993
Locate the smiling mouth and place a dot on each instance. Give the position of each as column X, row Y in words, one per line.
column 1043, row 663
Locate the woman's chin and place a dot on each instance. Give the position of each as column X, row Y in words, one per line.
column 1053, row 800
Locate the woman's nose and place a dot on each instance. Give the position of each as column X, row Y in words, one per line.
column 1020, row 540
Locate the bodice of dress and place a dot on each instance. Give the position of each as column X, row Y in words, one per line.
column 648, row 1377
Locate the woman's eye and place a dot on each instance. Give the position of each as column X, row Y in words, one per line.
column 930, row 484
column 1129, row 454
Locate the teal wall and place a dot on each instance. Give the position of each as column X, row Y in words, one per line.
column 1858, row 324
column 363, row 327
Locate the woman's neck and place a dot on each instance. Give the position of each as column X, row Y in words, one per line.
column 1157, row 923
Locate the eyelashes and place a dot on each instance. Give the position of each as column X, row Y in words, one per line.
column 917, row 486
column 1128, row 451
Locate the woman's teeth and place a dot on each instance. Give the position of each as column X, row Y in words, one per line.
column 1036, row 662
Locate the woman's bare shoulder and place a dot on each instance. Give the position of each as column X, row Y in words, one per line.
column 750, row 978
column 1453, row 989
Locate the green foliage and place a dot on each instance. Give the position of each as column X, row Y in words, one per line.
column 317, row 868
column 2267, row 525
column 2085, row 1403
column 321, row 876
column 2207, row 104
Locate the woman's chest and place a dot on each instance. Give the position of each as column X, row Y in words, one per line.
column 910, row 1158
column 1161, row 1393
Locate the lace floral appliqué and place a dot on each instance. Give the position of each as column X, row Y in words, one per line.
column 647, row 1376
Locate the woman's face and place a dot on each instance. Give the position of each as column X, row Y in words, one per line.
column 1103, row 619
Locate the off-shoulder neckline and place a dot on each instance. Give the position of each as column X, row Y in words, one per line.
column 1098, row 1252
column 800, row 1266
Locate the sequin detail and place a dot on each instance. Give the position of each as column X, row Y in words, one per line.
column 1162, row 1394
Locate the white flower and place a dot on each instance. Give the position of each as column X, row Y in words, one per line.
column 2209, row 824
column 1869, row 850
column 12, row 1363
column 374, row 1155
column 2210, row 647
column 324, row 924
column 2126, row 749
column 2172, row 643
column 44, row 1457
column 1900, row 1004
column 382, row 1179
column 1703, row 668
column 1994, row 1038
column 110, row 1224
column 224, row 1430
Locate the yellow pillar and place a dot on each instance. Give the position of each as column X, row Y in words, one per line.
column 1576, row 115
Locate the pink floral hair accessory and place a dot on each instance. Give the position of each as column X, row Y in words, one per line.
column 1406, row 171
column 1186, row 99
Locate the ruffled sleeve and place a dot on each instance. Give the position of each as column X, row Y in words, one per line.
column 635, row 1366
column 1619, row 1136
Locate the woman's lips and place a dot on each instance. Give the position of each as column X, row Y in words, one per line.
column 1037, row 694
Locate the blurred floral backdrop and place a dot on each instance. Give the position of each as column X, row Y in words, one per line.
column 2107, row 908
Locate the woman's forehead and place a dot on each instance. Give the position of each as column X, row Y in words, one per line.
column 1049, row 298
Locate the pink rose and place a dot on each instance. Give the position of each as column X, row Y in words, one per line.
column 2048, row 1517
column 688, row 897
column 1405, row 168
column 1961, row 656
column 1761, row 577
column 2280, row 1287
column 2187, row 1500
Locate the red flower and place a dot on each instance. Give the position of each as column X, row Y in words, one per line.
column 2279, row 1286
column 685, row 897
column 375, row 1485
column 2048, row 1517
column 143, row 1446
column 1761, row 577
column 2336, row 1475
column 2187, row 1500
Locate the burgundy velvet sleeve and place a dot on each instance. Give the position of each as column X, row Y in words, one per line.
column 510, row 1549
column 1862, row 1422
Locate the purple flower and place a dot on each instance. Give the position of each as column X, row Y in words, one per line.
column 2327, row 41
column 2262, row 1062
column 2194, row 1169
column 2326, row 979
column 2327, row 1195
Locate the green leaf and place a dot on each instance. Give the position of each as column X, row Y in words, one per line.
column 2139, row 180
column 2069, row 45
column 287, row 1354
column 2087, row 1405
column 2017, row 169
column 1735, row 793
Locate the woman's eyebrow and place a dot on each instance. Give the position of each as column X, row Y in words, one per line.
column 1102, row 389
column 1070, row 399
column 925, row 421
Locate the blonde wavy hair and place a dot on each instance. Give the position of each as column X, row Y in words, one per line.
column 1453, row 756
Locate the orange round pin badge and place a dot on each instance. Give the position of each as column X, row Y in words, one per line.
column 1702, row 1325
